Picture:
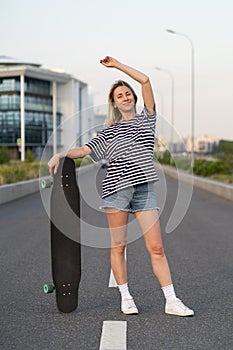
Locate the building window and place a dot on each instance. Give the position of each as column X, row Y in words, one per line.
column 36, row 103
column 9, row 102
column 10, row 84
column 37, row 86
column 38, row 127
column 38, row 112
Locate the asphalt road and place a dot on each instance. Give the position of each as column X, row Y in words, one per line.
column 199, row 251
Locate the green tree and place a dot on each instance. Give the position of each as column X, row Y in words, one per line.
column 224, row 151
column 225, row 147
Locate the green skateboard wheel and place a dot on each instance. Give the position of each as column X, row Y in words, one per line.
column 48, row 288
column 46, row 183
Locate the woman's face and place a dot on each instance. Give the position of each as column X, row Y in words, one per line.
column 123, row 99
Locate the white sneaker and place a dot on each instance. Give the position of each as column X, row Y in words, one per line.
column 128, row 307
column 178, row 308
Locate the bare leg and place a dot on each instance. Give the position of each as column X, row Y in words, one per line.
column 117, row 220
column 149, row 222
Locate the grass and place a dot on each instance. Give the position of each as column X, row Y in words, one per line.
column 223, row 178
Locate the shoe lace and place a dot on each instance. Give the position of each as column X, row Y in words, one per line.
column 181, row 304
column 130, row 303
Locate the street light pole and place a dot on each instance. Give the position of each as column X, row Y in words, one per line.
column 192, row 90
column 172, row 102
column 158, row 93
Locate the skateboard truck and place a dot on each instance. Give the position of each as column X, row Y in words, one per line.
column 48, row 288
column 46, row 183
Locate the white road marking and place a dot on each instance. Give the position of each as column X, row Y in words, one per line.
column 113, row 335
column 112, row 282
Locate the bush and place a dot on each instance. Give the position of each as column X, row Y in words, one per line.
column 4, row 155
column 207, row 168
column 44, row 170
column 30, row 156
column 17, row 171
column 83, row 161
column 223, row 178
column 163, row 158
column 224, row 147
column 183, row 163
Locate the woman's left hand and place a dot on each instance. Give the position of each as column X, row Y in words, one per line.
column 53, row 164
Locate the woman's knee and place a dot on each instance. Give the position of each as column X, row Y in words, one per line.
column 118, row 248
column 156, row 250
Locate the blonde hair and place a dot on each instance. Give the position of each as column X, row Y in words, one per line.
column 114, row 115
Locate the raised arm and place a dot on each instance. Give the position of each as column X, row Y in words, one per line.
column 147, row 92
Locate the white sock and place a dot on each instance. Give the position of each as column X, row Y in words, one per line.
column 169, row 293
column 123, row 288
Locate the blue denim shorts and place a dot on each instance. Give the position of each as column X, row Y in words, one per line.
column 132, row 199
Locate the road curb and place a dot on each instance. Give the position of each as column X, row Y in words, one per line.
column 18, row 190
column 216, row 187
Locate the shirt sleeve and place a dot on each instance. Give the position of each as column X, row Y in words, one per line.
column 150, row 118
column 98, row 146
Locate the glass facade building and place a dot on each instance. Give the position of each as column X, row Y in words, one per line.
column 40, row 109
column 38, row 104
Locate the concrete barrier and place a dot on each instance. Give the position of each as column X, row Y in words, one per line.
column 216, row 187
column 20, row 189
column 17, row 190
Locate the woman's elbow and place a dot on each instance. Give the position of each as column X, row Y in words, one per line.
column 145, row 80
column 85, row 151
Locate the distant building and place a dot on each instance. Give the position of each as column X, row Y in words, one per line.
column 178, row 146
column 202, row 144
column 99, row 120
column 42, row 107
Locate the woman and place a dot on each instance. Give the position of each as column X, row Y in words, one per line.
column 127, row 143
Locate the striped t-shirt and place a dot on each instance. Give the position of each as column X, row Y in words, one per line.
column 128, row 147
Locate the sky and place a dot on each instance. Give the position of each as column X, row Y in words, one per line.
column 74, row 35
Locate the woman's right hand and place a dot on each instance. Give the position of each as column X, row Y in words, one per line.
column 53, row 164
column 109, row 62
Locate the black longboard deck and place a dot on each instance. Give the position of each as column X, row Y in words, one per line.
column 65, row 236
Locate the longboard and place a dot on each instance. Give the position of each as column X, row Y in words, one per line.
column 65, row 236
